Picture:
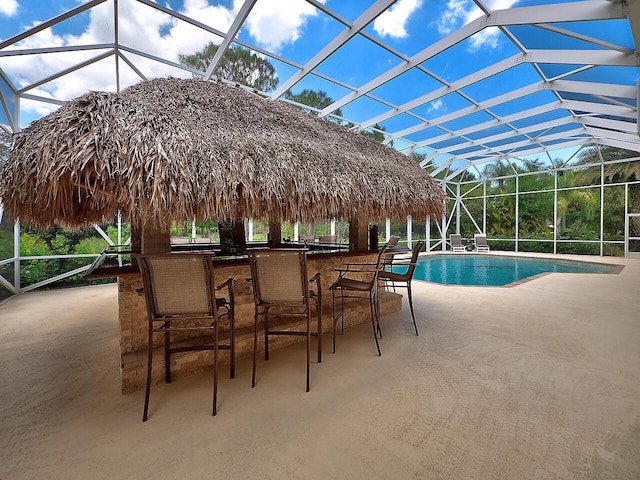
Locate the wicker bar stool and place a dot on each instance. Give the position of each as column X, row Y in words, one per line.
column 354, row 281
column 282, row 297
column 397, row 279
column 180, row 290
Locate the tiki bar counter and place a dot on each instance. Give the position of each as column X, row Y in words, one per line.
column 133, row 319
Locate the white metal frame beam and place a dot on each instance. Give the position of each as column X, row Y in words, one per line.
column 620, row 91
column 50, row 23
column 566, row 12
column 242, row 15
column 542, row 56
column 571, row 106
column 608, row 124
column 343, row 37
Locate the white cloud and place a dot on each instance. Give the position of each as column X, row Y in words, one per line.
column 488, row 37
column 187, row 39
column 8, row 7
column 460, row 12
column 274, row 23
column 36, row 108
column 393, row 22
column 435, row 106
column 454, row 13
column 501, row 4
column 137, row 26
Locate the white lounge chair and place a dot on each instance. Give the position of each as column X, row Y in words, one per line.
column 456, row 243
column 480, row 241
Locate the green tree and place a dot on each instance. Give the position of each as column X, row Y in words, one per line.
column 418, row 157
column 501, row 217
column 6, row 224
column 56, row 241
column 312, row 98
column 613, row 173
column 584, row 201
column 535, row 209
column 500, row 209
column 498, row 173
column 590, row 156
column 236, row 65
column 375, row 132
column 535, row 215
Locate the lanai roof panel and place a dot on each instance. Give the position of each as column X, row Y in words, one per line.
column 541, row 119
column 522, row 104
column 407, row 86
column 400, row 122
column 501, row 83
column 425, row 135
column 357, row 61
column 488, row 132
column 298, row 43
column 459, row 125
column 467, row 57
column 442, row 106
column 360, row 109
column 318, row 84
column 609, row 74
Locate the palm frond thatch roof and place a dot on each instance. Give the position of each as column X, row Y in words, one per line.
column 170, row 149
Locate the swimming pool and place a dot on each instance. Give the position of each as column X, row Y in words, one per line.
column 495, row 270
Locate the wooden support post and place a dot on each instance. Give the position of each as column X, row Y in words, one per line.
column 275, row 233
column 359, row 232
column 136, row 238
column 154, row 240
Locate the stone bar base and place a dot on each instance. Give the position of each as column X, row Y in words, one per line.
column 134, row 323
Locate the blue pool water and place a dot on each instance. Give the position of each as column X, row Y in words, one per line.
column 494, row 270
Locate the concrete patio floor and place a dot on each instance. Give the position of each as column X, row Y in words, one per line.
column 538, row 381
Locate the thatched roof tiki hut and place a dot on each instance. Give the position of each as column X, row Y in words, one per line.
column 173, row 149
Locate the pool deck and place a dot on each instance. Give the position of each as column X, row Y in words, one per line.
column 537, row 381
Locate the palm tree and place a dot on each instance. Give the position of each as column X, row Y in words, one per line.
column 579, row 200
column 613, row 172
column 498, row 171
column 501, row 216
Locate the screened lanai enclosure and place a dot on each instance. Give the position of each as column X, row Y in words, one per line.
column 524, row 111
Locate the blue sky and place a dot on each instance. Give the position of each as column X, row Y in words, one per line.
column 296, row 30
